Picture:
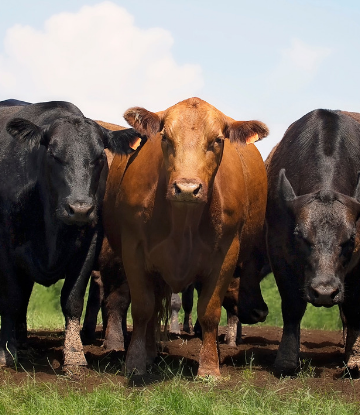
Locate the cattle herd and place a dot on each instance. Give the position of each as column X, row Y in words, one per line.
column 182, row 199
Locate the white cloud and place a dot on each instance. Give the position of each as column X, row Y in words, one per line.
column 304, row 57
column 298, row 66
column 99, row 60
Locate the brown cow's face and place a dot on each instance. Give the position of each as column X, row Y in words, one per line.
column 192, row 140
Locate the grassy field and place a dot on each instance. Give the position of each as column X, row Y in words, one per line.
column 175, row 397
column 45, row 311
column 178, row 395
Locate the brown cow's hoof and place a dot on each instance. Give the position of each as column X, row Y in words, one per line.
column 132, row 368
column 113, row 346
column 207, row 372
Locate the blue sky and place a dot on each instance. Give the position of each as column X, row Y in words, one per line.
column 267, row 60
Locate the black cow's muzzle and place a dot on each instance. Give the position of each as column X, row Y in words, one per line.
column 253, row 316
column 79, row 213
column 325, row 295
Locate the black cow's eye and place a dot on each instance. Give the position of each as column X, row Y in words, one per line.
column 56, row 158
column 98, row 160
column 219, row 140
column 347, row 247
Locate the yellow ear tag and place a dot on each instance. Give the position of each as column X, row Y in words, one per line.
column 135, row 144
column 252, row 139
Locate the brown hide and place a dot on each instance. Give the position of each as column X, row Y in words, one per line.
column 187, row 207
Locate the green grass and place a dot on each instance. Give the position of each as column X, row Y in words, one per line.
column 173, row 397
column 45, row 311
column 314, row 318
column 177, row 395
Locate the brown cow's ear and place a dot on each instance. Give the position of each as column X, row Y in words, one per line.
column 247, row 132
column 145, row 122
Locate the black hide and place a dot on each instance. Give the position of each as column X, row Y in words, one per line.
column 312, row 222
column 53, row 173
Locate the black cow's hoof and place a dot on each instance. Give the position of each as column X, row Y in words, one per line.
column 284, row 369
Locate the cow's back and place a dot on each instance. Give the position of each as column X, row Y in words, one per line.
column 319, row 151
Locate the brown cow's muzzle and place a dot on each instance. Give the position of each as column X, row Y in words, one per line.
column 185, row 190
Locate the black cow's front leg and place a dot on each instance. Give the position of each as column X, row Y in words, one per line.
column 350, row 310
column 14, row 298
column 293, row 308
column 72, row 301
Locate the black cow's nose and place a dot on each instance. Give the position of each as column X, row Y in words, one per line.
column 325, row 295
column 259, row 315
column 80, row 212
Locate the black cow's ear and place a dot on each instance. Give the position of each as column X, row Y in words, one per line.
column 25, row 130
column 286, row 192
column 122, row 141
column 246, row 132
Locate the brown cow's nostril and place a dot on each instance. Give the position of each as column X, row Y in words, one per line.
column 197, row 190
column 187, row 188
column 177, row 189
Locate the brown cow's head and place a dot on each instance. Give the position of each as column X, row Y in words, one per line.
column 192, row 140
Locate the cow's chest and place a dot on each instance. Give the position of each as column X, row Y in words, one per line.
column 181, row 261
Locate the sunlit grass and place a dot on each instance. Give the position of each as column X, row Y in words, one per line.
column 174, row 397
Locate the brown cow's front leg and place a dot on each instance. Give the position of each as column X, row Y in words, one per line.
column 209, row 311
column 142, row 310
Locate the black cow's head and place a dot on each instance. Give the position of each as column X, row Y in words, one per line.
column 72, row 163
column 323, row 238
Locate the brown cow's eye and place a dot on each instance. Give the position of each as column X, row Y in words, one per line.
column 219, row 140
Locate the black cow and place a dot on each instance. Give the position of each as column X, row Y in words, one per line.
column 13, row 103
column 53, row 172
column 312, row 222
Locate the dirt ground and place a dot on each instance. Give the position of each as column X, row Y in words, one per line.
column 321, row 357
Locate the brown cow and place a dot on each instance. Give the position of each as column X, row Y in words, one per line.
column 108, row 286
column 192, row 203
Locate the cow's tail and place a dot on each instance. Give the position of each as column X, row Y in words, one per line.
column 162, row 308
